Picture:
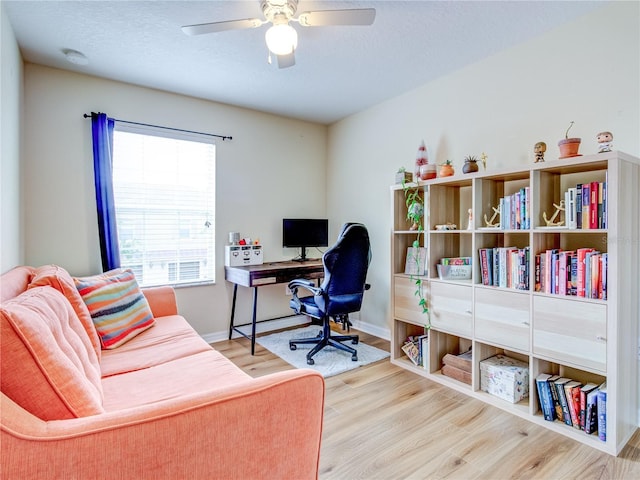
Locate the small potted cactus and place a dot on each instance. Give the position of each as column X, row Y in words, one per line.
column 470, row 164
column 446, row 169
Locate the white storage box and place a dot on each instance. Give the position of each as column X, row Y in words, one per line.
column 505, row 377
column 238, row 255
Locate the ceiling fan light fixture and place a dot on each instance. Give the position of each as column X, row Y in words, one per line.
column 282, row 39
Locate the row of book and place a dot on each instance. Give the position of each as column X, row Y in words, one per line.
column 416, row 348
column 515, row 211
column 581, row 406
column 585, row 206
column 506, row 267
column 582, row 273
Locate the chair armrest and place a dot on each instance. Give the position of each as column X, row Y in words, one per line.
column 243, row 430
column 303, row 283
column 162, row 300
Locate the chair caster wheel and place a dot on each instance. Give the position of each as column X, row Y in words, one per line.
column 354, row 358
column 354, row 342
column 293, row 347
column 310, row 361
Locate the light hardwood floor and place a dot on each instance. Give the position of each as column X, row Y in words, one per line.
column 383, row 422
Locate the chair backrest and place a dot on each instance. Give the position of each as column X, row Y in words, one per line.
column 345, row 271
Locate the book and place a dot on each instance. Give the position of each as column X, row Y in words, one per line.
column 411, row 350
column 565, row 415
column 554, row 396
column 485, row 270
column 591, row 412
column 570, row 208
column 583, row 402
column 544, row 397
column 416, row 261
column 586, row 200
column 602, row 412
column 578, row 206
column 457, row 374
column 572, row 392
column 593, row 205
column 462, row 361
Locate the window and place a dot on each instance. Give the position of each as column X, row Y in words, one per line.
column 164, row 189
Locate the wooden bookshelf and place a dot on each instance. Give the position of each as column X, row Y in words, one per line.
column 586, row 339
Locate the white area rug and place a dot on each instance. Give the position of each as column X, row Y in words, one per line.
column 329, row 361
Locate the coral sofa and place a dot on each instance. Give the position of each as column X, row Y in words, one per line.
column 164, row 404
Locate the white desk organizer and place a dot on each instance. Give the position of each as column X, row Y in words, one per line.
column 238, row 255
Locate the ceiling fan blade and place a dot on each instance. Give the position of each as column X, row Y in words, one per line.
column 221, row 26
column 321, row 18
column 286, row 61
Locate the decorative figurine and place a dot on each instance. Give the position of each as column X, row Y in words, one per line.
column 539, row 149
column 489, row 223
column 605, row 142
column 483, row 159
column 551, row 221
column 470, row 224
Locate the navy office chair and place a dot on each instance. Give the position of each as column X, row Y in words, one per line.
column 345, row 272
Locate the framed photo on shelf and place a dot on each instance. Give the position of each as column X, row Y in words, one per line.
column 416, row 261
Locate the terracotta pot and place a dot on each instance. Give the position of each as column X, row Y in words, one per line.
column 470, row 166
column 569, row 147
column 446, row 170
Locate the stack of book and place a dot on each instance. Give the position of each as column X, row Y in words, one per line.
column 581, row 273
column 506, row 267
column 416, row 348
column 458, row 366
column 514, row 211
column 583, row 407
column 586, row 206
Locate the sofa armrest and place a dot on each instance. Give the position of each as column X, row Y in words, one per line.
column 162, row 300
column 269, row 427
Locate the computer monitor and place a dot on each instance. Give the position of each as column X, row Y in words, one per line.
column 305, row 232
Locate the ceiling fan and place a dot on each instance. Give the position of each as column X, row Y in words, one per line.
column 281, row 37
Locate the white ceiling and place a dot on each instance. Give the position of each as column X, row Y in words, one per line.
column 339, row 70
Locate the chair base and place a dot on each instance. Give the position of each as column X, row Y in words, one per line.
column 324, row 339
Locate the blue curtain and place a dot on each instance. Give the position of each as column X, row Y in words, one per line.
column 102, row 134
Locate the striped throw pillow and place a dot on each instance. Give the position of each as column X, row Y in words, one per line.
column 117, row 306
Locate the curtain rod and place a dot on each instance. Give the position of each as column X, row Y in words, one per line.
column 223, row 137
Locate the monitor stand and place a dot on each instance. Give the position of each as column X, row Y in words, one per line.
column 303, row 256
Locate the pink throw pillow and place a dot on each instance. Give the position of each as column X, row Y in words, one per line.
column 58, row 278
column 49, row 366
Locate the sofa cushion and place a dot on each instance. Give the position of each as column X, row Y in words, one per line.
column 205, row 371
column 171, row 338
column 117, row 306
column 53, row 370
column 58, row 278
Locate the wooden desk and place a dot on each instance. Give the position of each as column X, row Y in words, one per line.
column 270, row 273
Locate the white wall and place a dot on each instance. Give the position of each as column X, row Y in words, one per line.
column 586, row 71
column 11, row 238
column 273, row 168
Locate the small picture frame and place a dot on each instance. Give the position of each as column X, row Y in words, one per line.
column 416, row 261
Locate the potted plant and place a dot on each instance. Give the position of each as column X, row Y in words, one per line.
column 569, row 146
column 415, row 213
column 470, row 164
column 403, row 176
column 446, row 169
